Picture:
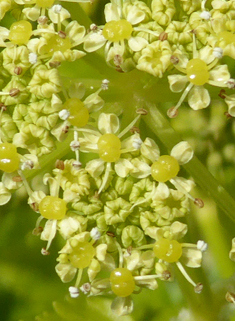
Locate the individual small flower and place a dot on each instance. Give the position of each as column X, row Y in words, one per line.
column 106, row 142
column 121, row 22
column 198, row 71
column 80, row 253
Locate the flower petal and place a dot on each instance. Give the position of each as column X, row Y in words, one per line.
column 198, row 98
column 183, row 152
column 108, row 123
column 177, row 82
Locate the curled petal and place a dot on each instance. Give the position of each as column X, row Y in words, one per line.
column 192, row 257
column 123, row 167
column 112, row 12
column 177, row 82
column 183, row 152
column 5, row 195
column 232, row 251
column 150, row 149
column 66, row 272
column 178, row 230
column 93, row 269
column 182, row 184
column 94, row 41
column 137, row 43
column 108, row 123
column 198, row 98
column 95, row 167
column 162, row 191
column 220, row 73
column 54, row 17
column 230, row 101
column 141, row 169
column 101, row 250
column 122, row 306
column 135, row 15
column 32, row 13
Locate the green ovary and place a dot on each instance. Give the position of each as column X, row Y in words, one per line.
column 165, row 168
column 167, row 250
column 197, row 72
column 9, row 159
column 117, row 30
column 52, row 208
column 122, row 282
column 20, row 32
column 109, row 146
column 79, row 114
column 82, row 255
column 56, row 43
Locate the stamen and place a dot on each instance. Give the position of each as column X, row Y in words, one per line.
column 79, row 277
column 185, row 274
column 183, row 96
column 126, row 130
column 146, row 277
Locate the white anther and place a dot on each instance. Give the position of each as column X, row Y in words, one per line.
column 33, row 58
column 57, row 8
column 105, row 84
column 85, row 288
column 64, row 114
column 95, row 234
column 205, row 15
column 218, row 52
column 137, row 142
column 27, row 165
column 74, row 145
column 202, row 246
column 74, row 292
